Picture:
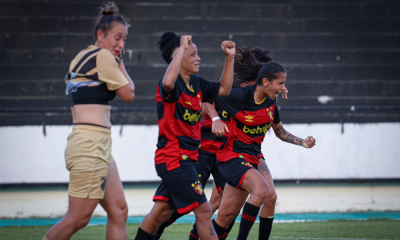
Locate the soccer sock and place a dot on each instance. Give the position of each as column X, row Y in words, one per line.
column 142, row 235
column 174, row 215
column 249, row 216
column 265, row 228
column 193, row 234
column 218, row 229
column 228, row 230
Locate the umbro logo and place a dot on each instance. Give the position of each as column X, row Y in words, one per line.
column 249, row 118
column 188, row 103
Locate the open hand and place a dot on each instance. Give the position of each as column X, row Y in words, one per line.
column 228, row 47
column 309, row 142
column 219, row 128
column 284, row 93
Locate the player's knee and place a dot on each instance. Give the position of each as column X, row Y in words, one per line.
column 260, row 195
column 118, row 212
column 81, row 223
column 203, row 212
column 215, row 203
column 272, row 197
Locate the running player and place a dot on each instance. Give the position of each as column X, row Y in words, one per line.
column 179, row 97
column 253, row 112
column 95, row 76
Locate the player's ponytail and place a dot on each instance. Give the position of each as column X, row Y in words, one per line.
column 167, row 45
column 246, row 66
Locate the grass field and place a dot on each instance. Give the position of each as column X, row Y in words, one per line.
column 368, row 229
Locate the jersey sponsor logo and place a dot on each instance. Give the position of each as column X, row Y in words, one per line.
column 191, row 117
column 249, row 118
column 257, row 130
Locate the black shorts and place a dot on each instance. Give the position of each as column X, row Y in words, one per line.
column 208, row 165
column 235, row 170
column 181, row 188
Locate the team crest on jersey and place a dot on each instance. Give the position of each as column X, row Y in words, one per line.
column 198, row 188
column 249, row 118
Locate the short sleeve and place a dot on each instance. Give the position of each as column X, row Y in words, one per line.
column 109, row 72
column 233, row 102
column 277, row 118
column 173, row 96
column 209, row 89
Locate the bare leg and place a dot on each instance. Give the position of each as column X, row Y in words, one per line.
column 78, row 216
column 158, row 214
column 216, row 198
column 268, row 209
column 115, row 205
column 232, row 202
column 203, row 222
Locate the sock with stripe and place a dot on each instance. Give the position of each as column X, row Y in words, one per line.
column 142, row 235
column 265, row 228
column 228, row 230
column 193, row 234
column 218, row 229
column 174, row 215
column 249, row 216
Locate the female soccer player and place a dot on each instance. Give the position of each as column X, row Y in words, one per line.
column 179, row 97
column 95, row 76
column 253, row 112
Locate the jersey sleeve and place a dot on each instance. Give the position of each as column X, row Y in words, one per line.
column 173, row 96
column 277, row 118
column 209, row 89
column 109, row 72
column 233, row 102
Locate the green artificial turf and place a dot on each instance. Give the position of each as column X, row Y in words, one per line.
column 369, row 229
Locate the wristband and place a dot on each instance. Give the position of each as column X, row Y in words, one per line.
column 215, row 119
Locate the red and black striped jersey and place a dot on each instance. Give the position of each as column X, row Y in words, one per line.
column 209, row 141
column 178, row 121
column 249, row 123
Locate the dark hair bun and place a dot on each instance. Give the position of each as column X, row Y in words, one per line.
column 261, row 55
column 109, row 9
column 169, row 41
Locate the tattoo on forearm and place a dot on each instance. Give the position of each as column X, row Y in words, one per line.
column 212, row 233
column 287, row 137
column 263, row 168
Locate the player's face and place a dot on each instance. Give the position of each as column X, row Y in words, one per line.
column 276, row 86
column 114, row 40
column 191, row 60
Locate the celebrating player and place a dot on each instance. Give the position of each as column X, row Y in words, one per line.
column 179, row 97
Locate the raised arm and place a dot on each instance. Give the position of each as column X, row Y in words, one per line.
column 218, row 127
column 172, row 72
column 227, row 75
column 286, row 136
column 126, row 93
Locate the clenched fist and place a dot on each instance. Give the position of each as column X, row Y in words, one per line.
column 309, row 142
column 186, row 40
column 228, row 47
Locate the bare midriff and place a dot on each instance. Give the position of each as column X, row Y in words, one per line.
column 91, row 114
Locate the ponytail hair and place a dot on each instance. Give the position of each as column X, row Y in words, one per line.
column 108, row 15
column 246, row 66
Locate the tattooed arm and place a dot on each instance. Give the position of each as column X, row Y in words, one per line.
column 286, row 136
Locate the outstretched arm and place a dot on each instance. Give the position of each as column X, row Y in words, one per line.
column 227, row 75
column 172, row 72
column 286, row 136
column 218, row 127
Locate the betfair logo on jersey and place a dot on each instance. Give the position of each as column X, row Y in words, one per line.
column 224, row 114
column 257, row 130
column 191, row 117
column 249, row 118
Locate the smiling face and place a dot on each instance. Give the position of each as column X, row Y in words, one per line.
column 191, row 60
column 276, row 86
column 114, row 39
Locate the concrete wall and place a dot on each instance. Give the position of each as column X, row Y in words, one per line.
column 362, row 151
